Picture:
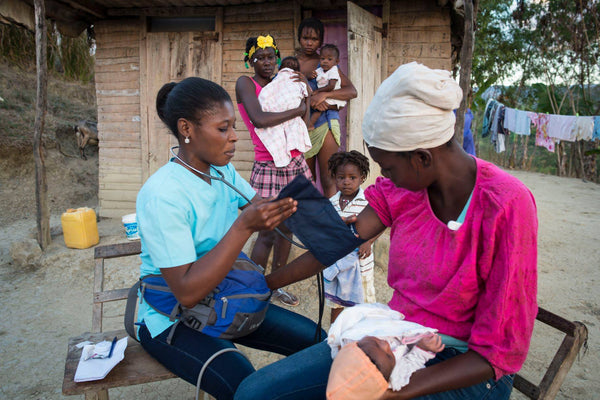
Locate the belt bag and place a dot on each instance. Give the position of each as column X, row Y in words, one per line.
column 235, row 308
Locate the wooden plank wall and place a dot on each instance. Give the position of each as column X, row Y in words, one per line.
column 419, row 31
column 240, row 23
column 118, row 97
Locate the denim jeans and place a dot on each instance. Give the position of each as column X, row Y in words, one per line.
column 303, row 376
column 283, row 332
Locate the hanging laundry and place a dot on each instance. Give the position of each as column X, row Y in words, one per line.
column 499, row 138
column 468, row 143
column 523, row 123
column 561, row 127
column 517, row 121
column 495, row 117
column 584, row 128
column 541, row 130
column 490, row 108
column 500, row 146
column 510, row 119
column 596, row 134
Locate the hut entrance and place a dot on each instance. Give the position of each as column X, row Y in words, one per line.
column 357, row 33
column 170, row 57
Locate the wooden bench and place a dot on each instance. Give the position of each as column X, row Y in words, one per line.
column 139, row 367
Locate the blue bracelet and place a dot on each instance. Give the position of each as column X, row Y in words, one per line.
column 353, row 229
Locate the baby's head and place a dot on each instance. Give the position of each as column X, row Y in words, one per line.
column 329, row 56
column 361, row 370
column 291, row 63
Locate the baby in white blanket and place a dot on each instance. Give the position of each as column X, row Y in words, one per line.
column 396, row 347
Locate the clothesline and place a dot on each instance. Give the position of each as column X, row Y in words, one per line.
column 499, row 121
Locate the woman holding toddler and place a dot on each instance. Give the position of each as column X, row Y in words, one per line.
column 325, row 135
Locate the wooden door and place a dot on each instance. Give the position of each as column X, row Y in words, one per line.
column 364, row 70
column 170, row 57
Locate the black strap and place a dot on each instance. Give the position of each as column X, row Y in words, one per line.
column 132, row 298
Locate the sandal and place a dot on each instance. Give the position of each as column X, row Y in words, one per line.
column 286, row 298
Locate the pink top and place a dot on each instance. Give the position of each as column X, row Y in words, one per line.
column 477, row 284
column 260, row 151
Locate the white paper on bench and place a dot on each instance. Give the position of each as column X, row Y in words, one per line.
column 97, row 368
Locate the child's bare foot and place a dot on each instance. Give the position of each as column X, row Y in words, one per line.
column 311, row 127
column 431, row 343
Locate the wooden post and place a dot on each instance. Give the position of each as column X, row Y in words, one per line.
column 41, row 184
column 466, row 61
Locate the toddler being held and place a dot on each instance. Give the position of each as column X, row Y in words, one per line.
column 328, row 79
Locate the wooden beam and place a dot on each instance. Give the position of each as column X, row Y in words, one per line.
column 88, row 7
column 41, row 184
column 117, row 250
column 163, row 11
column 466, row 62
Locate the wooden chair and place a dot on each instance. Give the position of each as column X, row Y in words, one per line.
column 138, row 366
column 575, row 336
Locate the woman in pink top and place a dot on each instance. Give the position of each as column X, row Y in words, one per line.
column 267, row 179
column 463, row 248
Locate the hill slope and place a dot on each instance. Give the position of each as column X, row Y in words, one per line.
column 72, row 181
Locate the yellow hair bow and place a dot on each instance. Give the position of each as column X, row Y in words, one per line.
column 262, row 42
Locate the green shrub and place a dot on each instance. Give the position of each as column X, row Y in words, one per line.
column 70, row 57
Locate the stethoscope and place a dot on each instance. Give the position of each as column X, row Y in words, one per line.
column 221, row 178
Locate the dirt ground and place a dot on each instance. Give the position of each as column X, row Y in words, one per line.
column 45, row 304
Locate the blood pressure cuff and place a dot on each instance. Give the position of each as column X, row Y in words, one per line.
column 317, row 224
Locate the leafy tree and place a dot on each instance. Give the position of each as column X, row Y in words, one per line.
column 554, row 42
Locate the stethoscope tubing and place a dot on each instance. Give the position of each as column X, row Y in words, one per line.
column 221, row 178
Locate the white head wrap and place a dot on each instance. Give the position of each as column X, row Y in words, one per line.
column 413, row 108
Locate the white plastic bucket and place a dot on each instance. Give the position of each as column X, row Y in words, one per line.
column 131, row 227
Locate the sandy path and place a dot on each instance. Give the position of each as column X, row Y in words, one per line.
column 42, row 307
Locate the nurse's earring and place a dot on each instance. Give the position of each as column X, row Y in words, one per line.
column 187, row 140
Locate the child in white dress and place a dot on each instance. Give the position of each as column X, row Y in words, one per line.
column 328, row 79
column 351, row 279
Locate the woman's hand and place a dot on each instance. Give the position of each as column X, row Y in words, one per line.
column 266, row 214
column 298, row 76
column 317, row 100
column 364, row 250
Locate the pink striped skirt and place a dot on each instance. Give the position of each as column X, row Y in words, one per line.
column 268, row 180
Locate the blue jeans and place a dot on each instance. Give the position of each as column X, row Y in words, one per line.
column 283, row 332
column 303, row 376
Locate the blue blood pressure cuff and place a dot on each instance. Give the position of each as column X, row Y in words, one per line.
column 317, row 224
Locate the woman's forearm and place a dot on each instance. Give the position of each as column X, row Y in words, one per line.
column 193, row 282
column 262, row 119
column 301, row 268
column 464, row 370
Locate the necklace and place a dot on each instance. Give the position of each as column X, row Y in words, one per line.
column 343, row 203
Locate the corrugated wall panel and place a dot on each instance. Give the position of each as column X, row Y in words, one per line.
column 118, row 97
column 419, row 31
